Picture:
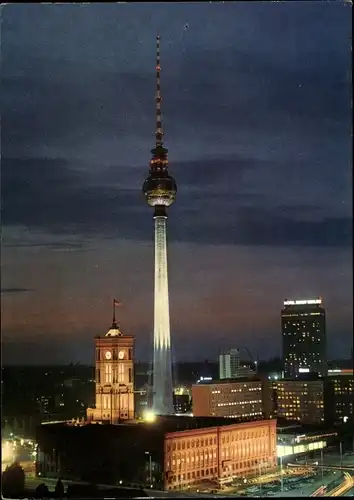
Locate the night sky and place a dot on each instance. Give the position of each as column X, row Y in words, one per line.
column 257, row 118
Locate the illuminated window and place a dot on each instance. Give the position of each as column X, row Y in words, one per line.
column 108, row 373
column 120, row 373
column 106, row 402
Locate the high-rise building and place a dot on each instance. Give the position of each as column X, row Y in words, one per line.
column 160, row 191
column 114, row 377
column 229, row 364
column 304, row 337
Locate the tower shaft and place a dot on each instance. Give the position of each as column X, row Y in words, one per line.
column 162, row 385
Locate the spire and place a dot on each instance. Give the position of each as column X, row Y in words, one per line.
column 114, row 331
column 159, row 160
column 159, row 131
column 114, row 323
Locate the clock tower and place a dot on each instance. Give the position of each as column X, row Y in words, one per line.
column 114, row 377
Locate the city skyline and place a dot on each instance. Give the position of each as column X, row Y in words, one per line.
column 258, row 99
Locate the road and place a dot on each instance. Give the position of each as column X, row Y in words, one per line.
column 307, row 489
column 344, row 487
column 32, row 483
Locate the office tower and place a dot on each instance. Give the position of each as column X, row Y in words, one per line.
column 229, row 364
column 160, row 191
column 114, row 377
column 304, row 337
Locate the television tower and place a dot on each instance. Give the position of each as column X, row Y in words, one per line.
column 160, row 191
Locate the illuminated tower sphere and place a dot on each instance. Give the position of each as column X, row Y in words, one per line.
column 160, row 191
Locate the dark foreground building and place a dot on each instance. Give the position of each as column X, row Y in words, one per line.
column 169, row 453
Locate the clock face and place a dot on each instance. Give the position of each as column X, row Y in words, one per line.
column 121, row 354
column 108, row 354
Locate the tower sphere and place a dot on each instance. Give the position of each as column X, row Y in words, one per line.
column 160, row 189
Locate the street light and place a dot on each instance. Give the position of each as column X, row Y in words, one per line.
column 281, row 474
column 260, row 478
column 341, row 454
column 322, row 467
column 150, row 468
column 149, row 416
column 281, row 440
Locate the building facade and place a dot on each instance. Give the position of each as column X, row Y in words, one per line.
column 304, row 337
column 182, row 400
column 339, row 397
column 219, row 454
column 114, row 379
column 229, row 364
column 300, row 400
column 244, row 398
column 296, row 440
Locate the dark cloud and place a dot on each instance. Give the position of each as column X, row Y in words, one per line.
column 46, row 107
column 210, row 93
column 64, row 246
column 49, row 195
column 14, row 290
column 227, row 93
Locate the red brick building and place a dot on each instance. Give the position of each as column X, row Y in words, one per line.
column 219, row 453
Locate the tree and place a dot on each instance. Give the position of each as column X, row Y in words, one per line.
column 13, row 481
column 42, row 491
column 59, row 489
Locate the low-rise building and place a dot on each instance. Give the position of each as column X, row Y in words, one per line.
column 300, row 400
column 169, row 453
column 339, row 397
column 315, row 400
column 248, row 398
column 219, row 454
column 297, row 440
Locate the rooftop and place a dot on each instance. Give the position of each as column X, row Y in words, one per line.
column 253, row 378
column 160, row 426
column 284, row 427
